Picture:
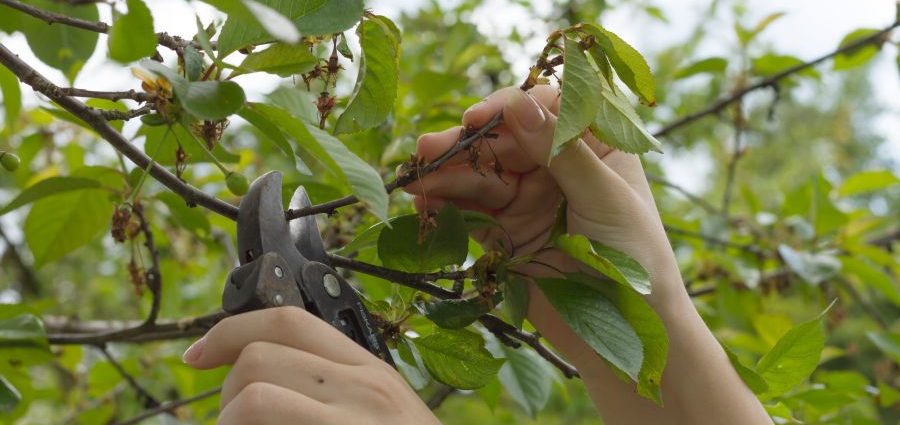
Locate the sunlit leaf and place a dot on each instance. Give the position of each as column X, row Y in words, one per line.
column 131, row 36
column 630, row 65
column 858, row 56
column 412, row 246
column 48, row 187
column 610, row 262
column 458, row 358
column 580, row 97
column 714, row 65
column 868, row 181
column 281, row 59
column 528, row 378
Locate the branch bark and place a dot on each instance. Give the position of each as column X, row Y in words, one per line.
column 61, row 332
column 169, row 406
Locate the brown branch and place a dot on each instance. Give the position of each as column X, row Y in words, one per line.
column 417, row 281
column 169, row 406
column 172, row 42
column 719, row 105
column 95, row 120
column 63, row 333
column 712, row 240
column 110, row 95
column 153, row 274
column 533, row 340
column 115, row 115
column 466, row 139
column 440, row 396
column 700, row 202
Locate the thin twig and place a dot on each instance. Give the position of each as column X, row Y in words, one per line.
column 115, row 115
column 700, row 202
column 492, row 323
column 66, row 334
column 418, row 281
column 440, row 396
column 462, row 144
column 30, row 284
column 110, row 95
column 146, row 399
column 95, row 120
column 712, row 240
column 153, row 274
column 169, row 406
column 737, row 152
column 720, row 104
column 102, row 27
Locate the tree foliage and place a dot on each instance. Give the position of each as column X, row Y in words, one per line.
column 117, row 211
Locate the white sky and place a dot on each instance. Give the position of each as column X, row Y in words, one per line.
column 809, row 29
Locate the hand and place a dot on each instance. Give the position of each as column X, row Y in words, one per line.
column 608, row 197
column 292, row 368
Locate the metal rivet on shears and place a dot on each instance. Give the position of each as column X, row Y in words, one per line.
column 279, row 272
column 278, row 299
column 332, row 286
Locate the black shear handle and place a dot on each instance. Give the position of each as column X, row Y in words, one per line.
column 267, row 282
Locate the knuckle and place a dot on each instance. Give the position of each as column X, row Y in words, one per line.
column 289, row 316
column 380, row 384
column 252, row 358
column 252, row 400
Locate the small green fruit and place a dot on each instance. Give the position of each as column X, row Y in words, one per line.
column 9, row 161
column 237, row 183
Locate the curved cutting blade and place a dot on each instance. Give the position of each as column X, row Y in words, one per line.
column 305, row 231
column 261, row 224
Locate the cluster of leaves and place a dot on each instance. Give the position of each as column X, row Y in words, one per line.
column 344, row 144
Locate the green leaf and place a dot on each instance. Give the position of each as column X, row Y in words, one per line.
column 868, row 181
column 794, row 357
column 814, row 268
column 63, row 47
column 754, row 381
column 281, row 59
column 12, row 99
column 193, row 64
column 648, row 326
column 273, row 134
column 630, row 66
column 311, row 17
column 206, row 100
column 580, row 98
column 858, row 56
column 9, row 396
column 610, row 262
column 746, row 35
column 458, row 358
column 399, row 246
column 528, row 379
column 861, row 271
column 24, row 341
column 887, row 342
column 276, row 24
column 597, row 321
column 714, row 65
column 515, row 300
column 131, row 36
column 619, row 126
column 193, row 219
column 48, row 187
column 54, row 228
column 771, row 64
column 365, row 182
column 376, row 84
column 457, row 314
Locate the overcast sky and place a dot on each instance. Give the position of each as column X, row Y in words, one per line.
column 809, row 29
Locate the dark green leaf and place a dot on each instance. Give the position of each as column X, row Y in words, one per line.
column 580, row 99
column 887, row 342
column 131, row 36
column 794, row 357
column 281, row 59
column 858, row 56
column 47, row 187
column 193, row 219
column 715, row 65
column 269, row 129
column 399, row 247
column 311, row 17
column 610, row 262
column 648, row 326
column 206, row 100
column 193, row 63
column 597, row 321
column 9, row 396
column 376, row 84
column 867, row 274
column 23, row 340
column 629, row 64
column 458, row 358
column 528, row 378
column 515, row 300
column 619, row 126
column 456, row 314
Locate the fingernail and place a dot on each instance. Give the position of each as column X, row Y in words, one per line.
column 526, row 110
column 194, row 352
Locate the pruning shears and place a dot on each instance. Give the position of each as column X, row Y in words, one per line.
column 283, row 263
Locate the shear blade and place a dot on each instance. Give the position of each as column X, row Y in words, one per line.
column 261, row 224
column 305, row 231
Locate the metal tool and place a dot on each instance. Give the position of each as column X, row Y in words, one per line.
column 284, row 263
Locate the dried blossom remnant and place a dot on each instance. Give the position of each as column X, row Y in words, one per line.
column 427, row 223
column 210, row 131
column 180, row 162
column 120, row 221
column 137, row 276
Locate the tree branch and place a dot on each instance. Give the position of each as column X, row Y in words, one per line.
column 440, row 396
column 153, row 274
column 719, row 105
column 700, row 202
column 110, row 95
column 51, row 18
column 146, row 399
column 169, row 406
column 115, row 115
column 533, row 340
column 95, row 120
column 30, row 284
column 64, row 333
column 417, row 281
column 465, row 140
column 712, row 240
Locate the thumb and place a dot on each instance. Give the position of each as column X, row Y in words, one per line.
column 589, row 185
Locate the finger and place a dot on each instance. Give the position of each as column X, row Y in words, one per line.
column 431, row 146
column 462, row 183
column 500, row 147
column 290, row 326
column 482, row 112
column 434, row 204
column 629, row 167
column 263, row 403
column 286, row 367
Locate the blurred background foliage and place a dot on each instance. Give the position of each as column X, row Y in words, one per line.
column 813, row 217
